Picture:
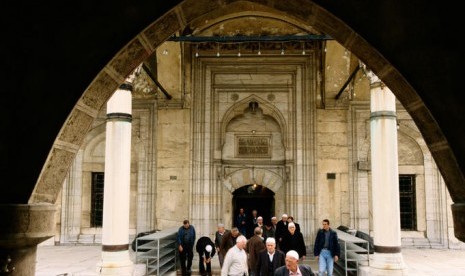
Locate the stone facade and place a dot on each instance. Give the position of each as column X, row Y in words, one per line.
column 273, row 120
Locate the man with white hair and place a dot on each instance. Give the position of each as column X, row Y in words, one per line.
column 270, row 259
column 235, row 261
column 293, row 267
column 294, row 240
column 220, row 232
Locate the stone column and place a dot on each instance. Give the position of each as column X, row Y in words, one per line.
column 387, row 259
column 115, row 231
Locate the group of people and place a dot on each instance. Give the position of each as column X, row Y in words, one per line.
column 269, row 251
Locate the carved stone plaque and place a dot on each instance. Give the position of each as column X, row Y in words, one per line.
column 253, row 146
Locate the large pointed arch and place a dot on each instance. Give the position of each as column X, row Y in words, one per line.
column 144, row 44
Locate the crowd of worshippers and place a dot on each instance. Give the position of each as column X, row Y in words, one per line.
column 277, row 248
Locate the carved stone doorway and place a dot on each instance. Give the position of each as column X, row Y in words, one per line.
column 254, row 197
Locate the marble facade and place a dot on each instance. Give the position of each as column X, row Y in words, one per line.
column 186, row 161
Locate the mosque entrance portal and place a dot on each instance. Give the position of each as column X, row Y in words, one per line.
column 254, row 197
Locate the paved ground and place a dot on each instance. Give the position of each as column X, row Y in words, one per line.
column 82, row 260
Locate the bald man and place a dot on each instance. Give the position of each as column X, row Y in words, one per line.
column 293, row 267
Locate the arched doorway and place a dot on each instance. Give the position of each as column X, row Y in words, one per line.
column 254, row 197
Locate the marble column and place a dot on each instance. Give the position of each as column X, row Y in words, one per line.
column 115, row 231
column 387, row 259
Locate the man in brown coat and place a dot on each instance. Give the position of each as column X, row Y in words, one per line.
column 254, row 246
column 228, row 241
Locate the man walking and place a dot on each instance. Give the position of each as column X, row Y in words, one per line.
column 294, row 240
column 220, row 232
column 235, row 261
column 281, row 230
column 186, row 240
column 241, row 222
column 254, row 245
column 293, row 267
column 227, row 242
column 270, row 259
column 326, row 249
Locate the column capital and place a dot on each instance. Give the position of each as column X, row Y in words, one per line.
column 375, row 81
column 129, row 81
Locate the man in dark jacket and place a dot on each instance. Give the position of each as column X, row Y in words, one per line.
column 281, row 229
column 270, row 259
column 326, row 249
column 293, row 267
column 206, row 249
column 186, row 241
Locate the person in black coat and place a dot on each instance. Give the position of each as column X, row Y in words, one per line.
column 294, row 240
column 265, row 267
column 281, row 229
column 206, row 249
column 297, row 226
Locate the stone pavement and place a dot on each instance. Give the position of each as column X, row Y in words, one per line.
column 79, row 260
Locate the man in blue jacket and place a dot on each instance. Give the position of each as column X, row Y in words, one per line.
column 186, row 240
column 326, row 249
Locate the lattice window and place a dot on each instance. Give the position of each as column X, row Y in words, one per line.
column 408, row 210
column 96, row 213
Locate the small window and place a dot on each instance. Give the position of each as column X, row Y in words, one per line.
column 96, row 213
column 408, row 209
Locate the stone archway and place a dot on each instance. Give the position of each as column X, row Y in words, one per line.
column 70, row 138
column 245, row 185
column 254, row 197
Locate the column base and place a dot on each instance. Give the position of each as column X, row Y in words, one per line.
column 371, row 271
column 385, row 264
column 458, row 214
column 116, row 263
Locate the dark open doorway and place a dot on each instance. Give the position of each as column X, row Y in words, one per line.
column 252, row 197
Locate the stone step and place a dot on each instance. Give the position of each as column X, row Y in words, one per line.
column 197, row 273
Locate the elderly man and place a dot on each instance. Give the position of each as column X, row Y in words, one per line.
column 254, row 246
column 235, row 261
column 270, row 259
column 228, row 241
column 274, row 221
column 206, row 250
column 281, row 229
column 220, row 232
column 293, row 267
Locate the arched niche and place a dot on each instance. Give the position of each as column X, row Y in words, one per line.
column 253, row 122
